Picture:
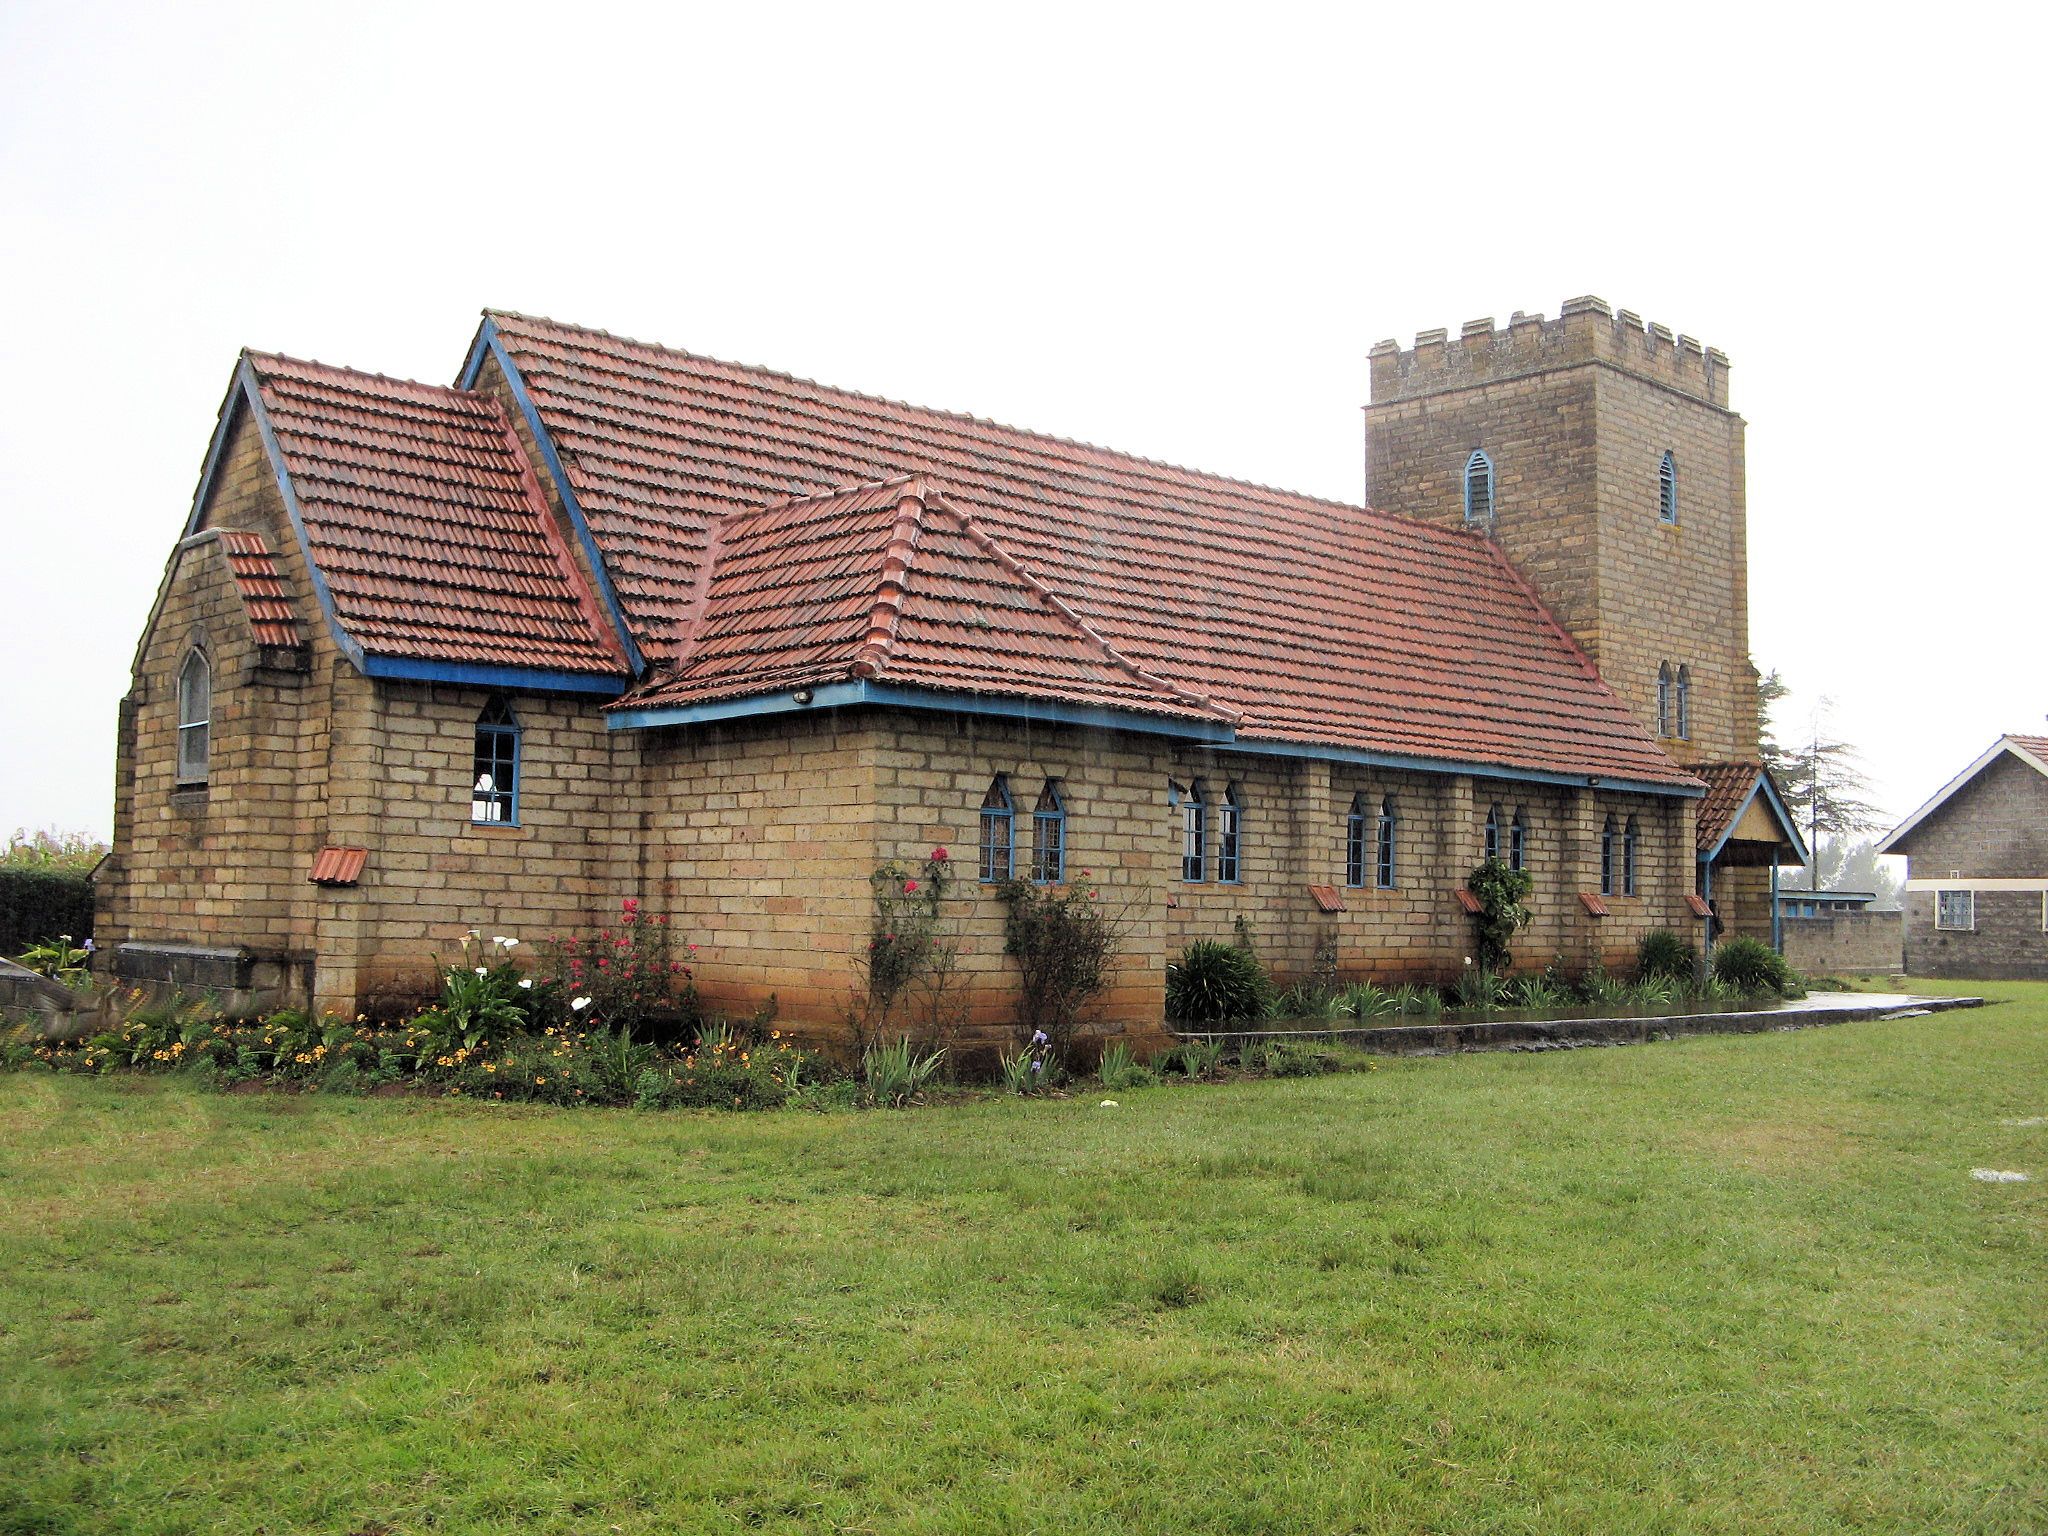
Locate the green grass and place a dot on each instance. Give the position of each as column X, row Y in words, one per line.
column 1729, row 1284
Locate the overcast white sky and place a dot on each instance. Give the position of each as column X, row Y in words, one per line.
column 1166, row 230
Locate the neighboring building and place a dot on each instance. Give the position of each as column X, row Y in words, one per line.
column 1795, row 903
column 607, row 619
column 1976, row 894
column 1836, row 933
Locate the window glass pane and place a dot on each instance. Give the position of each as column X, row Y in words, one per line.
column 1386, row 845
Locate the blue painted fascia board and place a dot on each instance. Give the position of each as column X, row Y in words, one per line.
column 488, row 675
column 488, row 344
column 1764, row 787
column 1448, row 765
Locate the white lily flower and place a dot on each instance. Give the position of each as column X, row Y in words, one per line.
column 527, row 983
column 483, row 970
column 579, row 1004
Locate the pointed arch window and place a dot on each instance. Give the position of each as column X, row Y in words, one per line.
column 494, row 793
column 1194, row 833
column 1493, row 829
column 1384, row 872
column 1518, row 841
column 1356, row 829
column 1229, row 837
column 1664, row 713
column 1667, row 489
column 1683, row 711
column 195, row 717
column 1607, row 857
column 998, row 844
column 1049, row 836
column 1479, row 489
column 1629, row 843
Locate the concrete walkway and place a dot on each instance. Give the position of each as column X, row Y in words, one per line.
column 1502, row 1031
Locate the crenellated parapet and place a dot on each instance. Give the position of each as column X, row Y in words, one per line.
column 1585, row 331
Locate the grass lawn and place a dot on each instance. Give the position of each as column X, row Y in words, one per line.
column 1726, row 1284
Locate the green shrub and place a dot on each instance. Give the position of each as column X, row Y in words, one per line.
column 1064, row 942
column 1503, row 894
column 1410, row 997
column 1120, row 1069
column 1753, row 967
column 1539, row 994
column 1363, row 1000
column 1286, row 1058
column 37, row 903
column 1478, row 989
column 1215, row 983
column 1666, row 954
column 893, row 1075
column 1195, row 1058
column 1603, row 990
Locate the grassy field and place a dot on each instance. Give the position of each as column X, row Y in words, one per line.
column 1725, row 1284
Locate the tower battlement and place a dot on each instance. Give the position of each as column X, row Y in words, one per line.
column 1585, row 331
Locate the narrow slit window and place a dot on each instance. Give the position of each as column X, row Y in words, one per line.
column 998, row 846
column 1493, row 826
column 1684, row 704
column 195, row 717
column 1229, row 837
column 1479, row 490
column 1667, row 490
column 1194, row 834
column 494, row 795
column 1385, row 871
column 1518, row 841
column 1664, row 699
column 1630, row 842
column 1607, row 857
column 1354, row 842
column 1049, row 836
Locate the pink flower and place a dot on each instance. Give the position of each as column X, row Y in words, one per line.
column 909, row 886
column 630, row 904
column 939, row 855
column 693, row 949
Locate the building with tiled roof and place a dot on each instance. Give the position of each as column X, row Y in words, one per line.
column 609, row 619
column 1976, row 892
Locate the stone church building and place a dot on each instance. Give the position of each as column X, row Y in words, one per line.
column 608, row 619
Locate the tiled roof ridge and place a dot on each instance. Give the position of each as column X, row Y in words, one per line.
column 988, row 545
column 783, row 376
column 274, row 363
column 594, row 615
column 897, row 556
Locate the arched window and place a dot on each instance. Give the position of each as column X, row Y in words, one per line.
column 1194, row 832
column 1664, row 699
column 1667, row 489
column 1354, row 842
column 1493, row 825
column 1479, row 489
column 1229, row 837
column 1518, row 841
column 195, row 711
column 998, row 843
column 1685, row 703
column 494, row 794
column 1049, row 836
column 1385, row 872
column 1628, row 859
column 1607, row 857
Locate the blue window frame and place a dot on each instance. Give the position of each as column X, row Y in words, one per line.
column 1664, row 714
column 1684, row 710
column 1667, row 489
column 1354, row 841
column 494, row 791
column 1493, row 824
column 1229, row 837
column 1628, row 858
column 1479, row 489
column 1049, row 836
column 1518, row 841
column 998, row 842
column 1194, row 833
column 1386, row 861
column 1607, row 857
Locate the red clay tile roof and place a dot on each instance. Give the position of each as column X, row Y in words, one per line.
column 896, row 583
column 427, row 522
column 338, row 866
column 1594, row 903
column 1697, row 904
column 271, row 616
column 1728, row 791
column 2038, row 745
column 1327, row 898
column 1316, row 621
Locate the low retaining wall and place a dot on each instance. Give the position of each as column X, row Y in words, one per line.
column 1847, row 944
column 1541, row 1034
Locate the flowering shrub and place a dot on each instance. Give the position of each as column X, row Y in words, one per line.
column 1033, row 1068
column 905, row 962
column 1063, row 940
column 625, row 976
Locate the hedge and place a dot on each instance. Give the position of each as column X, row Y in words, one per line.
column 40, row 904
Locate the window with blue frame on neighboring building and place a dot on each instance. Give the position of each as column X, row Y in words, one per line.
column 1955, row 910
column 494, row 794
column 998, row 844
column 1049, row 836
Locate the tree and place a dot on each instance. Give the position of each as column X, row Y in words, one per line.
column 1822, row 778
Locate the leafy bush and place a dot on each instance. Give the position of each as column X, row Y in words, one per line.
column 1753, row 967
column 905, row 961
column 1603, row 990
column 1120, row 1069
column 1032, row 1069
column 1503, row 895
column 1666, row 954
column 626, row 973
column 46, row 848
column 1410, row 997
column 1285, row 1058
column 1478, row 988
column 58, row 960
column 1541, row 993
column 36, row 902
column 893, row 1075
column 1363, row 1000
column 1064, row 942
column 1215, row 983
column 1306, row 1000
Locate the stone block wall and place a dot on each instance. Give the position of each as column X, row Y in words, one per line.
column 2008, row 943
column 1846, row 944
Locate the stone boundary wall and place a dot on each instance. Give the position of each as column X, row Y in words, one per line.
column 1847, row 944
